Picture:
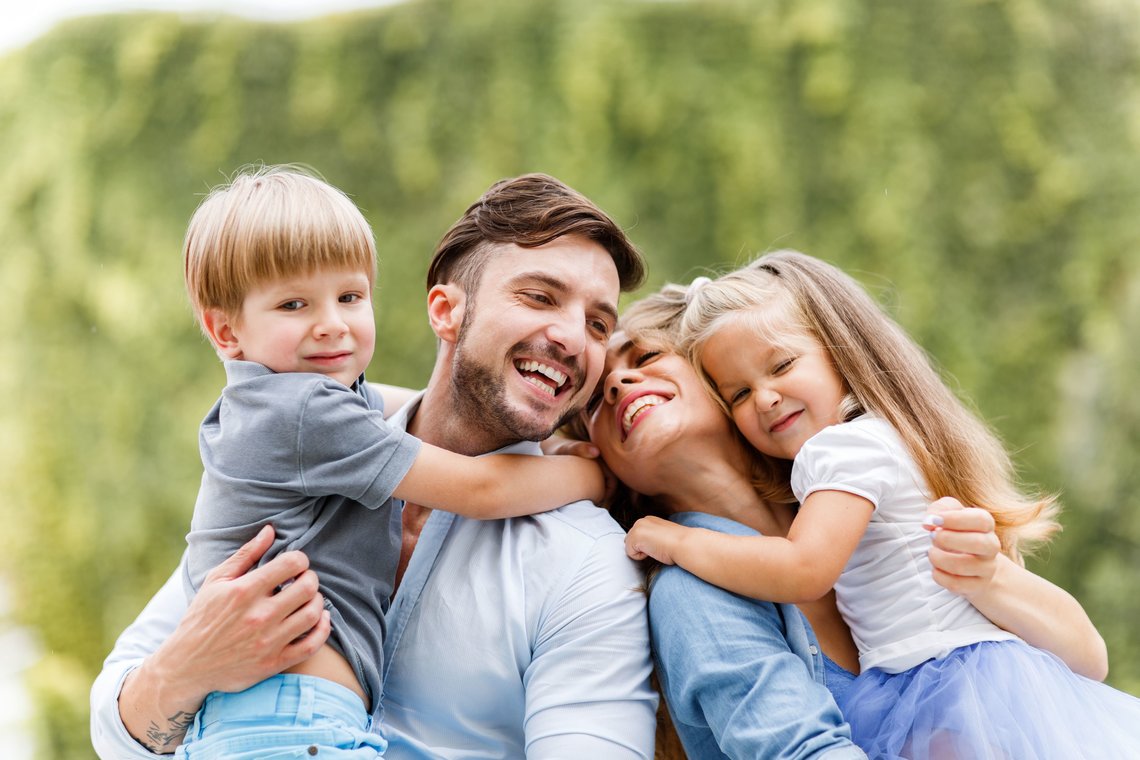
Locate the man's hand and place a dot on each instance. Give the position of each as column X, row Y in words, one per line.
column 238, row 630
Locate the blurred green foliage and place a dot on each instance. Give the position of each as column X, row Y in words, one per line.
column 976, row 164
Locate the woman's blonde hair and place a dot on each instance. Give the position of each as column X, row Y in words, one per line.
column 885, row 373
column 270, row 222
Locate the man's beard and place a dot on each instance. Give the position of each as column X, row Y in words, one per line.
column 480, row 397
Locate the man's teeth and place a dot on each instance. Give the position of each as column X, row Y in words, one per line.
column 636, row 407
column 559, row 378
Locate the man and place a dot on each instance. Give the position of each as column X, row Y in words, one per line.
column 511, row 638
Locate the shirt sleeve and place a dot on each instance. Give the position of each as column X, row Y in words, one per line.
column 587, row 686
column 347, row 448
column 154, row 624
column 857, row 457
column 733, row 684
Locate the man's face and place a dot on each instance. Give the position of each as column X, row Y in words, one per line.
column 533, row 337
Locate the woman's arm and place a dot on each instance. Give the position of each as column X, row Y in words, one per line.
column 966, row 556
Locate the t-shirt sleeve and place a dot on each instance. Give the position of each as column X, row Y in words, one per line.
column 857, row 457
column 346, row 447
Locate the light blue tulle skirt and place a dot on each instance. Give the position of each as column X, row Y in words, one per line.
column 991, row 701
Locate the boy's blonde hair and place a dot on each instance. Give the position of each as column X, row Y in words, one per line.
column 270, row 222
column 885, row 373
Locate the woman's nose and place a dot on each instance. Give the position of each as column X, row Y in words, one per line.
column 618, row 378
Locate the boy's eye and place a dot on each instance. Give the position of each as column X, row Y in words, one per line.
column 350, row 298
column 292, row 305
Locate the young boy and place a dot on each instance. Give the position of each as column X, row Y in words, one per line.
column 280, row 267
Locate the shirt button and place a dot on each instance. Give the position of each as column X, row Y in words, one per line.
column 813, row 649
column 313, row 750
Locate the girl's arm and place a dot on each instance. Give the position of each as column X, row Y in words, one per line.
column 967, row 560
column 498, row 485
column 800, row 568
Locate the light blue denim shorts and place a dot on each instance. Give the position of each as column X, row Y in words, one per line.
column 286, row 716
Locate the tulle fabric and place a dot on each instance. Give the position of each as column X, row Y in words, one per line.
column 991, row 701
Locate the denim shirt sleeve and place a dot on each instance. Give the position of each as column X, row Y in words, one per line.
column 741, row 678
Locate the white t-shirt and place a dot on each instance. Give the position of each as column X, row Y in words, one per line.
column 898, row 615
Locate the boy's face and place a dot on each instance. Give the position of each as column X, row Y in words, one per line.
column 321, row 322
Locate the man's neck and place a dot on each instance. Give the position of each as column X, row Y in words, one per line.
column 435, row 421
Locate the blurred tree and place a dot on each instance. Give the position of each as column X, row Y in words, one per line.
column 975, row 164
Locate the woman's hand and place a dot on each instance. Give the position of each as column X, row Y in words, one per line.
column 964, row 548
column 967, row 560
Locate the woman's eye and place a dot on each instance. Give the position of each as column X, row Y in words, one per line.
column 645, row 358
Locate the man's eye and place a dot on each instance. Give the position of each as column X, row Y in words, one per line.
column 541, row 298
column 600, row 327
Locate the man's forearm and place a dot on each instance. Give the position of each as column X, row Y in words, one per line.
column 153, row 714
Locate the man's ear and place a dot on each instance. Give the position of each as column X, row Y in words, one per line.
column 219, row 328
column 445, row 305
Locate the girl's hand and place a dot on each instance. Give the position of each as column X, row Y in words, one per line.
column 964, row 548
column 653, row 537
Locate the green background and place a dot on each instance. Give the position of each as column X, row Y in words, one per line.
column 975, row 164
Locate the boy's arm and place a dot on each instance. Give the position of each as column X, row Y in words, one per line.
column 394, row 396
column 800, row 568
column 498, row 485
column 967, row 560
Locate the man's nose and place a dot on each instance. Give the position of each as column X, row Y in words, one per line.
column 568, row 330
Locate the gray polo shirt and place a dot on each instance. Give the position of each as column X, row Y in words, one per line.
column 317, row 461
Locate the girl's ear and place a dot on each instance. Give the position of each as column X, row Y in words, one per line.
column 445, row 305
column 220, row 329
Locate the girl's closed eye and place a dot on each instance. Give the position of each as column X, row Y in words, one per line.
column 784, row 365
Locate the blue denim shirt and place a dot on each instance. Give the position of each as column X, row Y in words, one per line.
column 742, row 678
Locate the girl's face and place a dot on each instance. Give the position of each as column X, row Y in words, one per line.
column 779, row 395
column 648, row 412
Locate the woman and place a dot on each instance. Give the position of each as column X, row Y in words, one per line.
column 744, row 678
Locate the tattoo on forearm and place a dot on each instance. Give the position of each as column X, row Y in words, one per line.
column 160, row 738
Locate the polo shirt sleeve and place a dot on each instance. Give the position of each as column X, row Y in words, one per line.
column 855, row 457
column 346, row 447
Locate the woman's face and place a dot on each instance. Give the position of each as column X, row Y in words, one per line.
column 649, row 413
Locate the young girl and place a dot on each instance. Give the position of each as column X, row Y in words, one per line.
column 851, row 421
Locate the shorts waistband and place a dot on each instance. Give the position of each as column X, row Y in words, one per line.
column 302, row 696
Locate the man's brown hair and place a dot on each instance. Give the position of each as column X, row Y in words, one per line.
column 528, row 211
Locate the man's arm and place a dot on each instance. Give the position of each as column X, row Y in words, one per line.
column 236, row 632
column 587, row 686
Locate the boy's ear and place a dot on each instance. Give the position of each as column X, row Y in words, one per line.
column 220, row 330
column 446, row 304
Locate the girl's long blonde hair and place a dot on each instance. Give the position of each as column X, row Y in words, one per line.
column 886, row 373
